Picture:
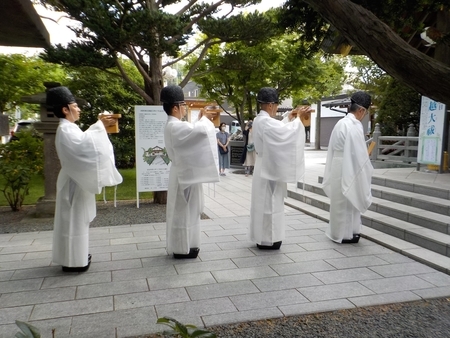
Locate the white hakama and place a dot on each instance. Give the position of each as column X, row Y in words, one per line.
column 279, row 147
column 87, row 165
column 347, row 179
column 192, row 149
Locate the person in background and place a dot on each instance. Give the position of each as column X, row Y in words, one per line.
column 223, row 139
column 192, row 148
column 87, row 165
column 348, row 173
column 279, row 147
column 248, row 155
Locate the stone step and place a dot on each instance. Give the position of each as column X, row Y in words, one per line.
column 425, row 202
column 318, row 206
column 413, row 212
column 420, row 189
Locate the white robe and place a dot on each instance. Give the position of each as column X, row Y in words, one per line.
column 347, row 178
column 279, row 147
column 192, row 149
column 87, row 165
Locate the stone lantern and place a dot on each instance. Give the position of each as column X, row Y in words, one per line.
column 45, row 206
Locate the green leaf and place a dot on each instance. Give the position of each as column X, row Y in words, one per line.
column 29, row 331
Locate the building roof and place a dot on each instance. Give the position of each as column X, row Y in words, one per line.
column 21, row 26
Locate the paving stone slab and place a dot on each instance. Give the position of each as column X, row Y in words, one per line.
column 302, row 267
column 150, row 298
column 242, row 316
column 198, row 307
column 21, row 285
column 47, row 271
column 133, row 274
column 436, row 278
column 355, row 262
column 243, row 274
column 334, row 291
column 72, row 308
column 316, row 307
column 219, row 290
column 443, row 291
column 223, row 254
column 347, row 275
column 75, row 279
column 179, row 281
column 402, row 269
column 11, row 314
column 396, row 284
column 247, row 262
column 386, row 298
column 267, row 299
column 111, row 288
column 314, row 255
column 286, row 282
column 224, row 264
column 37, row 297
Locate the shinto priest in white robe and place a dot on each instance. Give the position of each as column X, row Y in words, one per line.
column 192, row 149
column 279, row 147
column 87, row 165
column 347, row 178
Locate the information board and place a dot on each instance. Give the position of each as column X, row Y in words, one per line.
column 152, row 161
column 432, row 117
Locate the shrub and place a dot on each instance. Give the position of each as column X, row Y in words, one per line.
column 185, row 331
column 19, row 161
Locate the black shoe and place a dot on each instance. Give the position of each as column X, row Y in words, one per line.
column 274, row 246
column 193, row 253
column 355, row 239
column 78, row 268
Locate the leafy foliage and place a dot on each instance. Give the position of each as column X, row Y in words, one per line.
column 234, row 72
column 107, row 91
column 28, row 330
column 19, row 161
column 20, row 76
column 185, row 331
column 399, row 107
column 144, row 32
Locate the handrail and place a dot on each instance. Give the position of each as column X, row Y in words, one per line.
column 394, row 148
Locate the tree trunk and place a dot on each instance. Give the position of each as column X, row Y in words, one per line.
column 442, row 52
column 157, row 77
column 157, row 84
column 403, row 62
column 160, row 197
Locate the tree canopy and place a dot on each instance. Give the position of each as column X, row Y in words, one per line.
column 234, row 72
column 378, row 29
column 21, row 76
column 146, row 30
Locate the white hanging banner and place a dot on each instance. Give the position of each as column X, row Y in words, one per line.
column 431, row 131
column 152, row 162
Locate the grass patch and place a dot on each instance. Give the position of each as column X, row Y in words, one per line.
column 125, row 191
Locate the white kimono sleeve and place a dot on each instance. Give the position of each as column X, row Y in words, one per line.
column 195, row 148
column 88, row 157
column 357, row 172
column 283, row 151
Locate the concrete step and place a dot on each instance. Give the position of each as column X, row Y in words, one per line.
column 416, row 243
column 415, row 209
column 318, row 205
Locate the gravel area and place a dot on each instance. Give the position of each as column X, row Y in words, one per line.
column 428, row 318
column 107, row 215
